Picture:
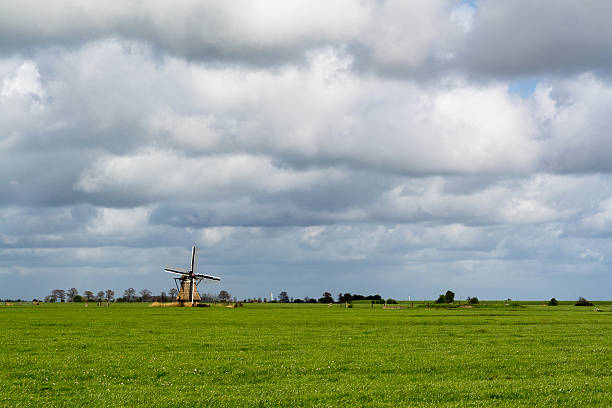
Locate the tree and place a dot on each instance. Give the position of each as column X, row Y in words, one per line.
column 450, row 296
column 283, row 297
column 208, row 297
column 224, row 296
column 59, row 294
column 145, row 294
column 129, row 294
column 100, row 296
column 553, row 302
column 441, row 299
column 110, row 295
column 71, row 293
column 51, row 298
column 173, row 293
column 472, row 300
column 583, row 302
column 88, row 295
column 326, row 298
column 162, row 296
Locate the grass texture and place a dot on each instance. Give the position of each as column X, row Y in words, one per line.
column 300, row 355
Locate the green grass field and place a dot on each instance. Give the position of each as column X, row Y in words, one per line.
column 271, row 355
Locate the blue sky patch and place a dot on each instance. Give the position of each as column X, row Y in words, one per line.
column 523, row 87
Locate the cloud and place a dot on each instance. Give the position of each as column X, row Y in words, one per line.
column 253, row 32
column 155, row 175
column 25, row 81
column 492, row 38
column 574, row 119
column 522, row 38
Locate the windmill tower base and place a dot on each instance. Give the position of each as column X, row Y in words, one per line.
column 183, row 295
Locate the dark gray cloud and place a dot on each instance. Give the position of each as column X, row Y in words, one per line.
column 494, row 38
column 523, row 38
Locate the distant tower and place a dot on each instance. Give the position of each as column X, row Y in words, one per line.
column 271, row 297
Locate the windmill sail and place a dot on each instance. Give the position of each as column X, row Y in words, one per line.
column 195, row 252
column 175, row 271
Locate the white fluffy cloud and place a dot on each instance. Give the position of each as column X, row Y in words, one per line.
column 391, row 32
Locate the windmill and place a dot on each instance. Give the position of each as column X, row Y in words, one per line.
column 187, row 282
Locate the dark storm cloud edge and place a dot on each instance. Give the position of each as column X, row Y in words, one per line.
column 504, row 39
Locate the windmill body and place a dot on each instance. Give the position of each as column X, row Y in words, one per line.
column 187, row 281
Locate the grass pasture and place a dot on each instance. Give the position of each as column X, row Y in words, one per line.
column 300, row 355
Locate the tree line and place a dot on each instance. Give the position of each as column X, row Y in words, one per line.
column 145, row 295
column 129, row 295
column 326, row 297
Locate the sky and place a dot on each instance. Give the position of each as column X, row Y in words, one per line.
column 379, row 146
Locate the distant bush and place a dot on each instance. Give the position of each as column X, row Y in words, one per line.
column 391, row 301
column 553, row 302
column 77, row 298
column 583, row 302
column 441, row 299
column 326, row 298
column 472, row 300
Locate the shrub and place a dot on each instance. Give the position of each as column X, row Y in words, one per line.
column 553, row 302
column 472, row 300
column 391, row 301
column 583, row 302
column 441, row 299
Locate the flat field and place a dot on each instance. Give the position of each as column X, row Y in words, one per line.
column 276, row 355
